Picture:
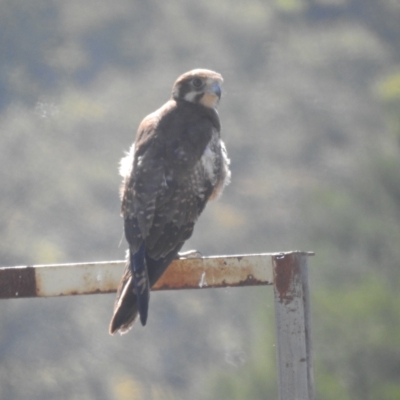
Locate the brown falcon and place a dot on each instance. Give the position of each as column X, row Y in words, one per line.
column 177, row 163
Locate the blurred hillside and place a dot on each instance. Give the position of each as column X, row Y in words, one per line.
column 310, row 116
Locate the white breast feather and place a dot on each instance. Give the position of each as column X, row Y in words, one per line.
column 126, row 164
column 208, row 162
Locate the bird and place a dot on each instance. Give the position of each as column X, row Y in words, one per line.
column 177, row 163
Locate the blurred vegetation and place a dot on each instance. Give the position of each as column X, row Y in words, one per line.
column 311, row 118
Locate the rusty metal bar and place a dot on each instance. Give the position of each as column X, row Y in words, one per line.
column 293, row 326
column 103, row 277
column 287, row 272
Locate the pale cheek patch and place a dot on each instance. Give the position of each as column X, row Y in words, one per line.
column 190, row 96
column 209, row 100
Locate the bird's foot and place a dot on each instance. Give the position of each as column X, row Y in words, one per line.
column 189, row 254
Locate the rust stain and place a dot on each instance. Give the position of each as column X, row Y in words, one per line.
column 17, row 282
column 90, row 282
column 91, row 285
column 176, row 275
column 285, row 269
column 197, row 273
column 90, row 291
column 220, row 274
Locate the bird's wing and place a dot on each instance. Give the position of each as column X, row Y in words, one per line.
column 186, row 188
column 166, row 190
column 143, row 185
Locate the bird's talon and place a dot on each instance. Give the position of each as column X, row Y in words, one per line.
column 189, row 254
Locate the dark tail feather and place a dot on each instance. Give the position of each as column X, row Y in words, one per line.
column 128, row 305
column 141, row 281
column 125, row 309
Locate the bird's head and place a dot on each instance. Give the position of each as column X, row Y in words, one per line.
column 200, row 86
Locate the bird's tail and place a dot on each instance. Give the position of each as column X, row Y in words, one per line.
column 127, row 308
column 133, row 294
column 140, row 281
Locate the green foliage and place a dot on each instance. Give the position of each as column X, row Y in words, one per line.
column 311, row 119
column 389, row 88
column 290, row 5
column 258, row 375
column 356, row 311
column 388, row 91
column 361, row 328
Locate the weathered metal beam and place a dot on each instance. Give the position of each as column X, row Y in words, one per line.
column 103, row 277
column 293, row 326
column 287, row 272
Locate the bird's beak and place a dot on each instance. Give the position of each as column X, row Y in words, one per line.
column 212, row 95
column 215, row 89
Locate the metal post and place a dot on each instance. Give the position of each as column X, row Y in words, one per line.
column 293, row 326
column 288, row 275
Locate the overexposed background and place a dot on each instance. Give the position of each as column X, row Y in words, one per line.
column 310, row 115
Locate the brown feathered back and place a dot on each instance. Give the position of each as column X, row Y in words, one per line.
column 178, row 162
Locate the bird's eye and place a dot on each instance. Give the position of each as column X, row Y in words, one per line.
column 197, row 82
